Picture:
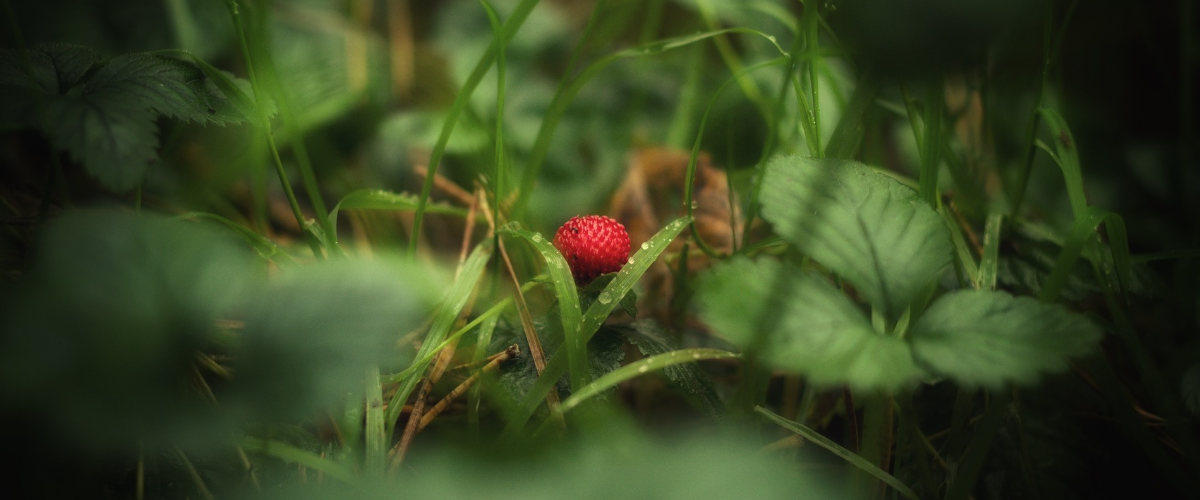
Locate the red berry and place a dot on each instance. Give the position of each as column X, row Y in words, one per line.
column 593, row 245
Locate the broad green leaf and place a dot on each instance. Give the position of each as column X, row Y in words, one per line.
column 838, row 450
column 70, row 62
column 641, row 367
column 819, row 332
column 169, row 86
column 988, row 338
column 862, row 225
column 311, row 333
column 102, row 333
column 115, row 140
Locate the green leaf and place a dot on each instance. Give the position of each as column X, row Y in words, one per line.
column 311, row 333
column 292, row 454
column 988, row 338
column 263, row 245
column 169, row 86
column 862, row 225
column 102, row 334
column 115, row 140
column 70, row 62
column 819, row 334
column 1067, row 159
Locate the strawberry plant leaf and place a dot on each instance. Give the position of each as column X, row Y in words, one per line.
column 989, row 338
column 104, row 115
column 862, row 225
column 820, row 333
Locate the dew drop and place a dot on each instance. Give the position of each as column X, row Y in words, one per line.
column 630, row 261
column 646, row 246
column 605, row 298
column 643, row 369
column 694, row 204
column 696, row 356
column 537, row 237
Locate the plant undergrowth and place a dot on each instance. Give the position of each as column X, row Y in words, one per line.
column 879, row 249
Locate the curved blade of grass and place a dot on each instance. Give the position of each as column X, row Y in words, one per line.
column 690, row 176
column 1081, row 232
column 498, row 177
column 640, row 367
column 568, row 303
column 593, row 318
column 629, row 275
column 265, row 247
column 838, row 450
column 378, row 199
column 374, row 436
column 514, row 22
column 490, row 314
column 567, row 90
column 1067, row 159
column 452, row 306
column 289, row 453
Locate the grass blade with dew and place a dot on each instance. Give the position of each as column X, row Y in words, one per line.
column 1081, row 233
column 638, row 264
column 456, row 299
column 568, row 90
column 461, row 100
column 289, row 453
column 568, row 303
column 838, row 450
column 640, row 367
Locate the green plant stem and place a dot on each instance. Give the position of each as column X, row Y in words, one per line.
column 514, row 22
column 265, row 123
column 1035, row 115
column 812, row 18
column 972, row 461
column 375, row 435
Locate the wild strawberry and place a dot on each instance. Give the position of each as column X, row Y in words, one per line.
column 593, row 245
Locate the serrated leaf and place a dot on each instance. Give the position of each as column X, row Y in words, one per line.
column 862, row 225
column 70, row 62
column 115, row 140
column 819, row 332
column 989, row 338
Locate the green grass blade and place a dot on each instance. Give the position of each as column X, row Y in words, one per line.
column 289, row 453
column 378, row 199
column 991, row 250
column 568, row 304
column 1082, row 232
column 497, row 181
column 568, row 90
column 592, row 319
column 931, row 143
column 690, row 176
column 629, row 275
column 374, row 436
column 848, row 132
column 640, row 367
column 491, row 315
column 838, row 450
column 265, row 247
column 965, row 258
column 514, row 22
column 456, row 299
column 1067, row 158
